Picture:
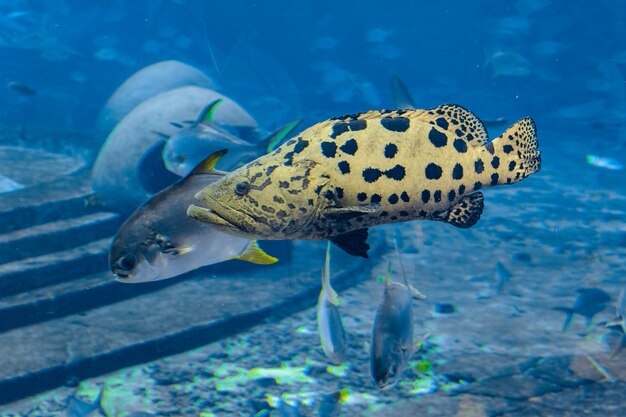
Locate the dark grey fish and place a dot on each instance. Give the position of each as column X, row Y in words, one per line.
column 21, row 88
column 330, row 405
column 392, row 333
column 590, row 302
column 619, row 323
column 503, row 276
column 330, row 326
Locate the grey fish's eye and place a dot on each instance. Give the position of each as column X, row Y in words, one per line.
column 127, row 262
column 242, row 188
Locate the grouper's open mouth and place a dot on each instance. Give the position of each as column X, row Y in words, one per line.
column 207, row 215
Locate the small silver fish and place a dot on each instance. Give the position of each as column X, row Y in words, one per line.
column 605, row 162
column 159, row 241
column 392, row 333
column 79, row 408
column 329, row 323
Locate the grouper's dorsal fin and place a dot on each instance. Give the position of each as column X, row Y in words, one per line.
column 207, row 166
column 458, row 123
column 207, row 115
column 276, row 138
column 355, row 242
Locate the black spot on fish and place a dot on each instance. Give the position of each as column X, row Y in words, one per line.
column 495, row 162
column 310, row 202
column 318, row 189
column 458, row 132
column 422, row 213
column 283, row 184
column 405, row 197
column 375, row 198
column 278, row 200
column 370, row 175
column 478, row 185
column 494, row 179
column 393, row 198
column 356, row 125
column 460, row 145
column 490, row 148
column 339, row 192
column 338, row 129
column 404, row 213
column 479, row 166
column 329, row 149
column 437, row 138
column 361, row 196
column 425, row 196
column 350, row 147
column 395, row 124
column 344, row 167
column 329, row 194
column 457, row 172
column 511, row 165
column 291, row 206
column 451, row 195
column 302, row 209
column 301, row 145
column 390, row 150
column 442, row 123
column 437, row 196
column 461, row 189
column 384, row 213
column 290, row 142
column 293, row 192
column 281, row 214
column 507, row 149
column 267, row 209
column 270, row 169
column 433, row 171
column 396, row 173
column 288, row 159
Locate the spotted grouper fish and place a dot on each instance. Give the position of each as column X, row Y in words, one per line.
column 343, row 175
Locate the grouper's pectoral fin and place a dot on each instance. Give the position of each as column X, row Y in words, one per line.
column 254, row 254
column 465, row 213
column 354, row 243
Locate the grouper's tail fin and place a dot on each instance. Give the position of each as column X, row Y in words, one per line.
column 516, row 153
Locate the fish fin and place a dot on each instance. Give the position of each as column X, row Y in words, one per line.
column 465, row 213
column 459, row 122
column 417, row 294
column 177, row 251
column 401, row 96
column 254, row 254
column 333, row 298
column 367, row 347
column 354, row 243
column 161, row 134
column 621, row 343
column 569, row 313
column 344, row 213
column 276, row 138
column 207, row 115
column 517, row 152
column 176, row 125
column 207, row 166
column 614, row 323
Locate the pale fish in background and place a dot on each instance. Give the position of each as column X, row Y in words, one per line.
column 329, row 323
column 507, row 63
column 158, row 241
column 378, row 35
column 8, row 185
column 503, row 276
column 187, row 147
column 590, row 301
column 79, row 408
column 605, row 162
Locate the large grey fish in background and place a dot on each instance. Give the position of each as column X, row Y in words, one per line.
column 186, row 148
column 341, row 176
column 159, row 241
column 329, row 323
column 392, row 334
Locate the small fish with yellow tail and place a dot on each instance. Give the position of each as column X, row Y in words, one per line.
column 341, row 176
column 329, row 323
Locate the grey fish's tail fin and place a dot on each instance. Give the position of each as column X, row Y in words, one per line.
column 569, row 314
column 619, row 345
column 516, row 153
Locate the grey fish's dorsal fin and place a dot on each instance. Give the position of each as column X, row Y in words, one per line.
column 207, row 165
column 354, row 243
column 208, row 113
column 458, row 123
column 401, row 96
column 465, row 213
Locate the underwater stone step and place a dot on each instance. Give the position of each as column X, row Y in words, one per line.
column 57, row 236
column 52, row 268
column 61, row 199
column 183, row 316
